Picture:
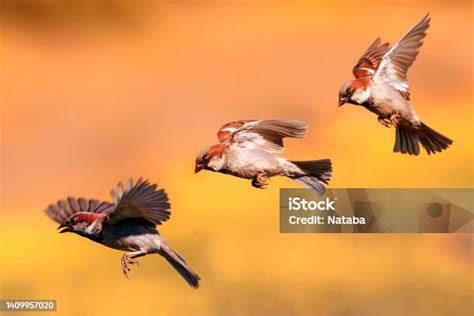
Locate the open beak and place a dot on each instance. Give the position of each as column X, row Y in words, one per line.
column 65, row 227
column 198, row 168
column 342, row 101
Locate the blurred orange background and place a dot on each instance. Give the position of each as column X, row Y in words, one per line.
column 95, row 92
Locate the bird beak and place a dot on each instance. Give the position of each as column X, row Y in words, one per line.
column 66, row 228
column 342, row 101
column 198, row 168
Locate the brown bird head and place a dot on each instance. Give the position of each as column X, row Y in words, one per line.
column 345, row 93
column 83, row 223
column 210, row 158
column 354, row 91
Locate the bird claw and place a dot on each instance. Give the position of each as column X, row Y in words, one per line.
column 260, row 181
column 126, row 260
column 384, row 121
column 133, row 262
column 125, row 268
column 395, row 119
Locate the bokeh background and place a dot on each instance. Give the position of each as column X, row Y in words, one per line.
column 93, row 92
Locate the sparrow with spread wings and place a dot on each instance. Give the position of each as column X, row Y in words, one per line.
column 126, row 224
column 381, row 86
column 248, row 149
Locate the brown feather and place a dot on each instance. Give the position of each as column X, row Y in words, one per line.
column 370, row 60
column 63, row 209
column 226, row 131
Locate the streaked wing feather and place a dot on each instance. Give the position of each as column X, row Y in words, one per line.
column 140, row 200
column 370, row 60
column 228, row 130
column 63, row 209
column 268, row 134
column 395, row 64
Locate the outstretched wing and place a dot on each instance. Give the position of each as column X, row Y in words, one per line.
column 63, row 209
column 140, row 200
column 394, row 66
column 370, row 60
column 265, row 134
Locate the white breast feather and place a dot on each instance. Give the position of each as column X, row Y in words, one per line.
column 361, row 95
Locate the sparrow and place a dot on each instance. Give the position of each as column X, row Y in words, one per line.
column 249, row 149
column 127, row 224
column 381, row 86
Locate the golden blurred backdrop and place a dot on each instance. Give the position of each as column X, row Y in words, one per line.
column 93, row 92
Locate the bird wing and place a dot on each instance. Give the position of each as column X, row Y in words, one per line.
column 265, row 134
column 140, row 200
column 394, row 66
column 227, row 131
column 63, row 209
column 370, row 60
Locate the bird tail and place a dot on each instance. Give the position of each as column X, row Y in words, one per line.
column 408, row 140
column 180, row 265
column 318, row 173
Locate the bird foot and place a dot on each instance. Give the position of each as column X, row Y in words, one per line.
column 384, row 121
column 395, row 119
column 126, row 260
column 260, row 181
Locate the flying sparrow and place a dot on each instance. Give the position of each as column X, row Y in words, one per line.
column 128, row 224
column 248, row 149
column 381, row 86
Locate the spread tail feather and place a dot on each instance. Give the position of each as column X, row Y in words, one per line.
column 180, row 265
column 318, row 173
column 408, row 140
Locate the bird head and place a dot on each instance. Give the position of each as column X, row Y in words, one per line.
column 210, row 158
column 82, row 223
column 345, row 93
column 354, row 91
